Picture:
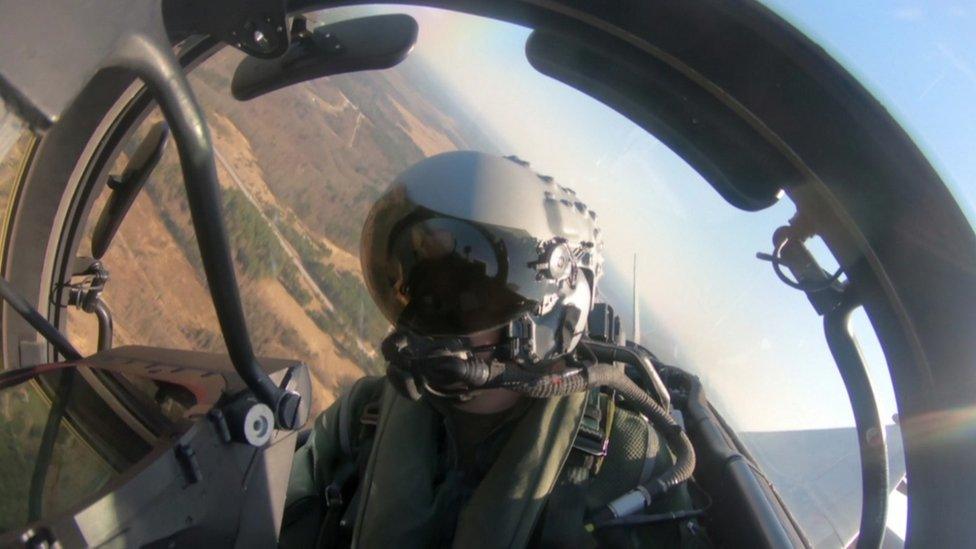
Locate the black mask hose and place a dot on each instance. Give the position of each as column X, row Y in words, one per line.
column 447, row 364
column 609, row 375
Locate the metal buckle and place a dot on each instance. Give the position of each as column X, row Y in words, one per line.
column 333, row 496
column 593, row 437
column 521, row 333
column 591, row 444
column 371, row 414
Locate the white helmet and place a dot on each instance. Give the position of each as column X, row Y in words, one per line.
column 464, row 242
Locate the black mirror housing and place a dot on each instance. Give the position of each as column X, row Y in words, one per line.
column 365, row 43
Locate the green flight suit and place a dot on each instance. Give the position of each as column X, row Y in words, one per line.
column 534, row 491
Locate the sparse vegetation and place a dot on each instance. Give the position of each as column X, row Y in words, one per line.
column 289, row 278
column 256, row 247
column 165, row 189
column 329, row 323
column 350, row 296
column 203, row 338
column 307, row 249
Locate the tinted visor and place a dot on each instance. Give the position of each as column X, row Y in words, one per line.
column 449, row 277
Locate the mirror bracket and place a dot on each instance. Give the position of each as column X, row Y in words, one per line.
column 256, row 27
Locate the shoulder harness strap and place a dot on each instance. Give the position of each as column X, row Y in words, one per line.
column 562, row 519
column 593, row 437
column 358, row 412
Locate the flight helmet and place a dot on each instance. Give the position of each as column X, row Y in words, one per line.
column 465, row 242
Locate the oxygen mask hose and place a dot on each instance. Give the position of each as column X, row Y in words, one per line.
column 447, row 369
column 613, row 376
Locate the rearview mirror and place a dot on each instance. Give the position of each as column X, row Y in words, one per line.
column 365, row 43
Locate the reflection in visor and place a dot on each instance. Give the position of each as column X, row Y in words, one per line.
column 451, row 278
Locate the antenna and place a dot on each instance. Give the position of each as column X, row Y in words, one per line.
column 362, row 317
column 636, row 334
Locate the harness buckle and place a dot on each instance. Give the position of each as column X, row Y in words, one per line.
column 333, row 496
column 371, row 414
column 592, row 445
column 593, row 436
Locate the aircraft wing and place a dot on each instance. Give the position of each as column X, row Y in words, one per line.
column 817, row 473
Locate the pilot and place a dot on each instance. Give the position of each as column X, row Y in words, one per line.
column 487, row 272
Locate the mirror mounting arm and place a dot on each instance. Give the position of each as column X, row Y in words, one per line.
column 257, row 27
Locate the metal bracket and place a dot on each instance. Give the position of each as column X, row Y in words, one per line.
column 82, row 294
column 521, row 333
column 823, row 289
column 187, row 458
column 87, row 296
column 256, row 27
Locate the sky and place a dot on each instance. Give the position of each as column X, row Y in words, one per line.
column 707, row 304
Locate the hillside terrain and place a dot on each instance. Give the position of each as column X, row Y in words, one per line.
column 10, row 163
column 299, row 170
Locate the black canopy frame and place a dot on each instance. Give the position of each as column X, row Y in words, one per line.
column 815, row 134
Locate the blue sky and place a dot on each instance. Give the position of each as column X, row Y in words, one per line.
column 919, row 59
column 709, row 304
